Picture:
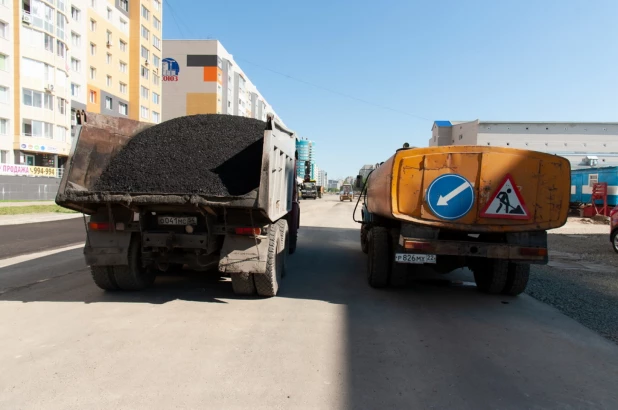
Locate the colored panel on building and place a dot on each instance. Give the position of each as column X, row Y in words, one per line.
column 201, row 61
column 201, row 103
column 210, row 73
column 93, row 104
column 219, row 76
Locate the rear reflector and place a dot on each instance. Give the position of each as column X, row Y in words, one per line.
column 98, row 226
column 425, row 246
column 533, row 251
column 248, row 231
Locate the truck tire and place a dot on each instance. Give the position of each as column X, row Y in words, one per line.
column 517, row 278
column 103, row 277
column 242, row 283
column 134, row 276
column 491, row 276
column 284, row 236
column 364, row 230
column 378, row 261
column 267, row 284
column 399, row 271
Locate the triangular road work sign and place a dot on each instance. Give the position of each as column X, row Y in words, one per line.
column 506, row 202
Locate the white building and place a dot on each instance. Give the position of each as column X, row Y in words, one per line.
column 8, row 93
column 583, row 144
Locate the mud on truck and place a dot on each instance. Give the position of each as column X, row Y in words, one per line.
column 205, row 192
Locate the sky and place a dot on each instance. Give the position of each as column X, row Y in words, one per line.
column 360, row 78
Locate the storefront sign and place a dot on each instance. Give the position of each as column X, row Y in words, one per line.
column 28, row 171
column 35, row 147
column 171, row 68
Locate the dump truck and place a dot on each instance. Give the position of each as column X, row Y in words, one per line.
column 136, row 232
column 485, row 208
column 309, row 189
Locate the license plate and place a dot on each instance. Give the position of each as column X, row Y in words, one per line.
column 178, row 220
column 414, row 258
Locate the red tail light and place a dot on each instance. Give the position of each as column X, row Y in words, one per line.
column 533, row 251
column 248, row 231
column 99, row 226
column 424, row 246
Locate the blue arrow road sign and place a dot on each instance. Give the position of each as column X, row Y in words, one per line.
column 450, row 196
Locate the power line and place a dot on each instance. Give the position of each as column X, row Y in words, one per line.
column 169, row 6
column 384, row 107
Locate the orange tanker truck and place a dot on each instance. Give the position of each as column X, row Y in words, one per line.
column 485, row 208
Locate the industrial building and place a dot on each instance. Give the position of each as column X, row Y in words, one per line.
column 201, row 77
column 60, row 60
column 584, row 144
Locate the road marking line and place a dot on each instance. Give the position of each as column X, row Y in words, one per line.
column 36, row 255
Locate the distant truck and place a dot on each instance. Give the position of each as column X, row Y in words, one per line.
column 346, row 193
column 309, row 190
column 320, row 191
column 485, row 208
column 131, row 236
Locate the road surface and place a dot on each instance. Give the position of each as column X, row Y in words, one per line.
column 328, row 341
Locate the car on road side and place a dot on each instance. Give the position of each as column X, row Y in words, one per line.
column 613, row 231
column 346, row 193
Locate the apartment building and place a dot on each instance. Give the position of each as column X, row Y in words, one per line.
column 201, row 77
column 60, row 60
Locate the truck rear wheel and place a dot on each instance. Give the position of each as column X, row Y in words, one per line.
column 284, row 237
column 378, row 262
column 103, row 277
column 491, row 275
column 363, row 238
column 517, row 278
column 267, row 284
column 134, row 276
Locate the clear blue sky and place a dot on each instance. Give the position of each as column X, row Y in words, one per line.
column 455, row 60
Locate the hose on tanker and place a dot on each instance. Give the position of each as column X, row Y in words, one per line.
column 363, row 192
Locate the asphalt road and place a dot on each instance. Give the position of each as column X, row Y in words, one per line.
column 328, row 341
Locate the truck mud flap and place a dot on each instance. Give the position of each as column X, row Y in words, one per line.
column 244, row 254
column 107, row 248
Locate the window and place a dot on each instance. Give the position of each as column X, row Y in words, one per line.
column 156, row 42
column 123, row 108
column 4, row 155
column 62, row 105
column 4, row 30
column 157, row 5
column 123, row 67
column 156, row 23
column 155, row 117
column 61, row 49
column 76, row 40
column 123, row 88
column 4, row 62
column 76, row 14
column 93, row 49
column 48, row 102
column 61, row 133
column 156, row 60
column 109, row 13
column 4, row 127
column 145, row 53
column 93, row 3
column 109, row 81
column 144, row 92
column 76, row 65
column 145, row 72
column 124, row 4
column 593, row 179
column 4, row 95
column 124, row 26
column 109, row 38
column 49, row 43
column 123, row 46
column 145, row 33
column 93, row 25
column 109, row 58
column 93, row 73
column 37, row 129
column 93, row 97
column 108, row 103
column 60, row 19
column 155, row 98
column 75, row 90
column 144, row 112
column 155, row 79
column 145, row 12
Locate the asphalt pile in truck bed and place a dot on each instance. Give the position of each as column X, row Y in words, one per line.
column 215, row 155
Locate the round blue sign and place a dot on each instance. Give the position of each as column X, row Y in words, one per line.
column 450, row 196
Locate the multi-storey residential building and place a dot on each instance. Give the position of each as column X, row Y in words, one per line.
column 201, row 77
column 60, row 59
column 306, row 161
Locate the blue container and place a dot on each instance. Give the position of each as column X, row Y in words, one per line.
column 582, row 181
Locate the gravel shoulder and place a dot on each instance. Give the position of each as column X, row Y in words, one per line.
column 581, row 279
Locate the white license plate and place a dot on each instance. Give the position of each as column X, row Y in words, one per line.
column 178, row 220
column 412, row 258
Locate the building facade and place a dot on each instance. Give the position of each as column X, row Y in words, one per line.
column 322, row 178
column 306, row 160
column 583, row 144
column 201, row 77
column 60, row 60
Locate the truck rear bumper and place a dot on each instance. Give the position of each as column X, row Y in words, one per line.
column 537, row 255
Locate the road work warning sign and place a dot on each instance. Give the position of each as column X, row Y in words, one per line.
column 506, row 202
